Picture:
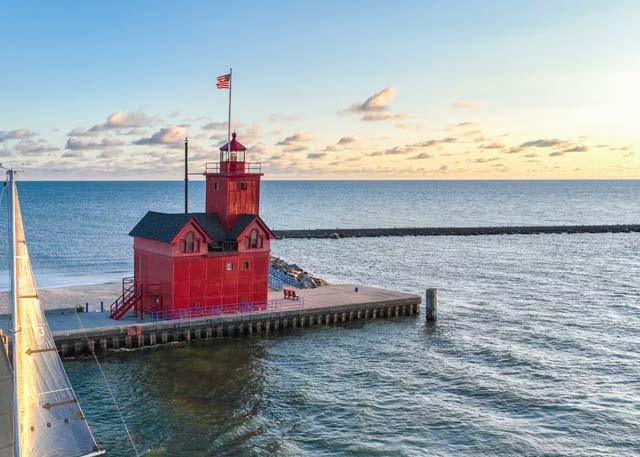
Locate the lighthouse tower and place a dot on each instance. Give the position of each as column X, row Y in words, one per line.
column 216, row 261
column 233, row 185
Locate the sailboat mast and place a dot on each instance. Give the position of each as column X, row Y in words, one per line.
column 14, row 304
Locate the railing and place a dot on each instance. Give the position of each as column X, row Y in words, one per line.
column 124, row 302
column 279, row 279
column 244, row 309
column 275, row 283
column 249, row 167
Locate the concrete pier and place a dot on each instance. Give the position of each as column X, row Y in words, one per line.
column 78, row 334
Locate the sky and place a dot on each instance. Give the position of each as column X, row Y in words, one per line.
column 324, row 89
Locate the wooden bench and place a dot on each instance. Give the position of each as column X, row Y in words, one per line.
column 290, row 294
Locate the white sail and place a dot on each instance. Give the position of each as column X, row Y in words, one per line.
column 50, row 420
column 6, row 402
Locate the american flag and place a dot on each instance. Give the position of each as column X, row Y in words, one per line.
column 224, row 82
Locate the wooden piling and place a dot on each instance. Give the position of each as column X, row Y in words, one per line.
column 432, row 305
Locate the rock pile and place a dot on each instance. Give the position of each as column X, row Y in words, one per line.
column 294, row 271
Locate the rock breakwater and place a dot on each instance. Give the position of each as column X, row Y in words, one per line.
column 292, row 270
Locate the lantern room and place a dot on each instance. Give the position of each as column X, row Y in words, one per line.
column 232, row 185
column 232, row 155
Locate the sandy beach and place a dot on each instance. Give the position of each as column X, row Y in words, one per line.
column 67, row 297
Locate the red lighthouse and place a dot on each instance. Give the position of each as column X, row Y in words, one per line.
column 191, row 261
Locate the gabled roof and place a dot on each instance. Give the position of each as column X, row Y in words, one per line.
column 244, row 220
column 165, row 226
column 240, row 225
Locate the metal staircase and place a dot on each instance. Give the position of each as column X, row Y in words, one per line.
column 130, row 297
column 277, row 280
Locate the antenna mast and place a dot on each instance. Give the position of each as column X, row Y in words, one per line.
column 186, row 175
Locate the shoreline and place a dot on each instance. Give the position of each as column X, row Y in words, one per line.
column 70, row 296
column 55, row 298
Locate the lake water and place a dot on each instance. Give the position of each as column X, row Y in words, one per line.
column 535, row 353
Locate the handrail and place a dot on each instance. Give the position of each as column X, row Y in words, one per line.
column 244, row 308
column 249, row 168
column 282, row 277
column 124, row 302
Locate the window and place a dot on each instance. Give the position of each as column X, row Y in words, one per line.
column 245, row 265
column 183, row 246
column 254, row 238
column 230, row 266
column 247, row 243
column 243, row 185
column 261, row 241
column 189, row 242
column 216, row 185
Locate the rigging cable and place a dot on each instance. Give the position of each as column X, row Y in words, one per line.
column 106, row 382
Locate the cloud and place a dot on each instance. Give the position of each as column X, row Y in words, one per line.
column 382, row 116
column 121, row 119
column 134, row 131
column 398, row 150
column 167, row 135
column 347, row 140
column 18, row 134
column 377, row 102
column 215, row 126
column 472, row 133
column 343, row 141
column 580, row 148
column 422, row 155
column 30, row 148
column 109, row 154
column 82, row 132
column 77, row 144
column 72, row 155
column 464, row 124
column 376, row 107
column 295, row 139
column 411, row 126
column 413, row 147
column 464, row 105
column 316, row 155
column 220, row 137
column 543, row 143
column 259, row 148
column 296, row 149
column 485, row 160
column 250, row 134
column 430, row 143
column 492, row 146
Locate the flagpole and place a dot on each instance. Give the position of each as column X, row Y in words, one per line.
column 229, row 124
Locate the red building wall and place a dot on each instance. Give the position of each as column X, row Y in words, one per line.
column 170, row 279
column 233, row 195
